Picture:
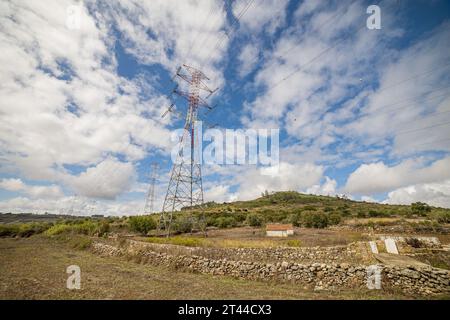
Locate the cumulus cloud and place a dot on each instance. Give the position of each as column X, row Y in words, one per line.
column 435, row 194
column 220, row 193
column 63, row 102
column 251, row 181
column 34, row 191
column 378, row 177
column 78, row 206
column 412, row 94
column 248, row 58
column 368, row 199
column 265, row 15
column 171, row 33
column 327, row 188
column 108, row 179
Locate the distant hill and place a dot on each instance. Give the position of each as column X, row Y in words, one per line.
column 294, row 207
column 31, row 217
column 293, row 199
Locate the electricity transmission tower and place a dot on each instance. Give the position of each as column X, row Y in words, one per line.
column 73, row 202
column 185, row 185
column 150, row 201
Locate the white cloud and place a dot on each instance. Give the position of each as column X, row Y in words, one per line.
column 219, row 193
column 330, row 103
column 411, row 95
column 248, row 58
column 260, row 14
column 34, row 191
column 78, row 206
column 108, row 179
column 327, row 188
column 377, row 177
column 368, row 199
column 172, row 33
column 12, row 184
column 252, row 181
column 62, row 101
column 436, row 194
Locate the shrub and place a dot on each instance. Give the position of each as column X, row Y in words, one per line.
column 334, row 218
column 23, row 229
column 361, row 214
column 184, row 224
column 414, row 242
column 141, row 224
column 374, row 213
column 420, row 208
column 181, row 241
column 103, row 227
column 294, row 243
column 225, row 222
column 294, row 219
column 315, row 220
column 441, row 216
column 81, row 243
column 85, row 227
column 240, row 217
column 59, row 229
column 428, row 226
column 9, row 230
column 254, row 220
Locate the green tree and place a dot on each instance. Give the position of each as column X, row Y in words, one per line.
column 184, row 224
column 420, row 208
column 255, row 220
column 142, row 224
column 334, row 218
column 225, row 222
column 315, row 220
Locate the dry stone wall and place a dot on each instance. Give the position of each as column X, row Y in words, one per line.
column 354, row 253
column 413, row 280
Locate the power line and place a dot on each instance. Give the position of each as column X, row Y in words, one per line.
column 299, row 68
column 435, row 141
column 416, row 76
column 198, row 32
column 415, row 145
column 235, row 21
column 414, row 130
column 416, row 98
column 298, row 44
column 202, row 45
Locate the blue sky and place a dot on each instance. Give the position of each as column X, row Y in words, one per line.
column 361, row 112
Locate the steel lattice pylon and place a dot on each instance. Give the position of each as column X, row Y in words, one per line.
column 185, row 185
column 150, row 201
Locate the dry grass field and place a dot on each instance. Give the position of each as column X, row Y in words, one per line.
column 35, row 268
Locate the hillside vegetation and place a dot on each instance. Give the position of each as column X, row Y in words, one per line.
column 309, row 211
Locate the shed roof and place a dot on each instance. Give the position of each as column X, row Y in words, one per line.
column 279, row 227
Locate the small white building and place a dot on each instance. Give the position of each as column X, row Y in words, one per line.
column 279, row 230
